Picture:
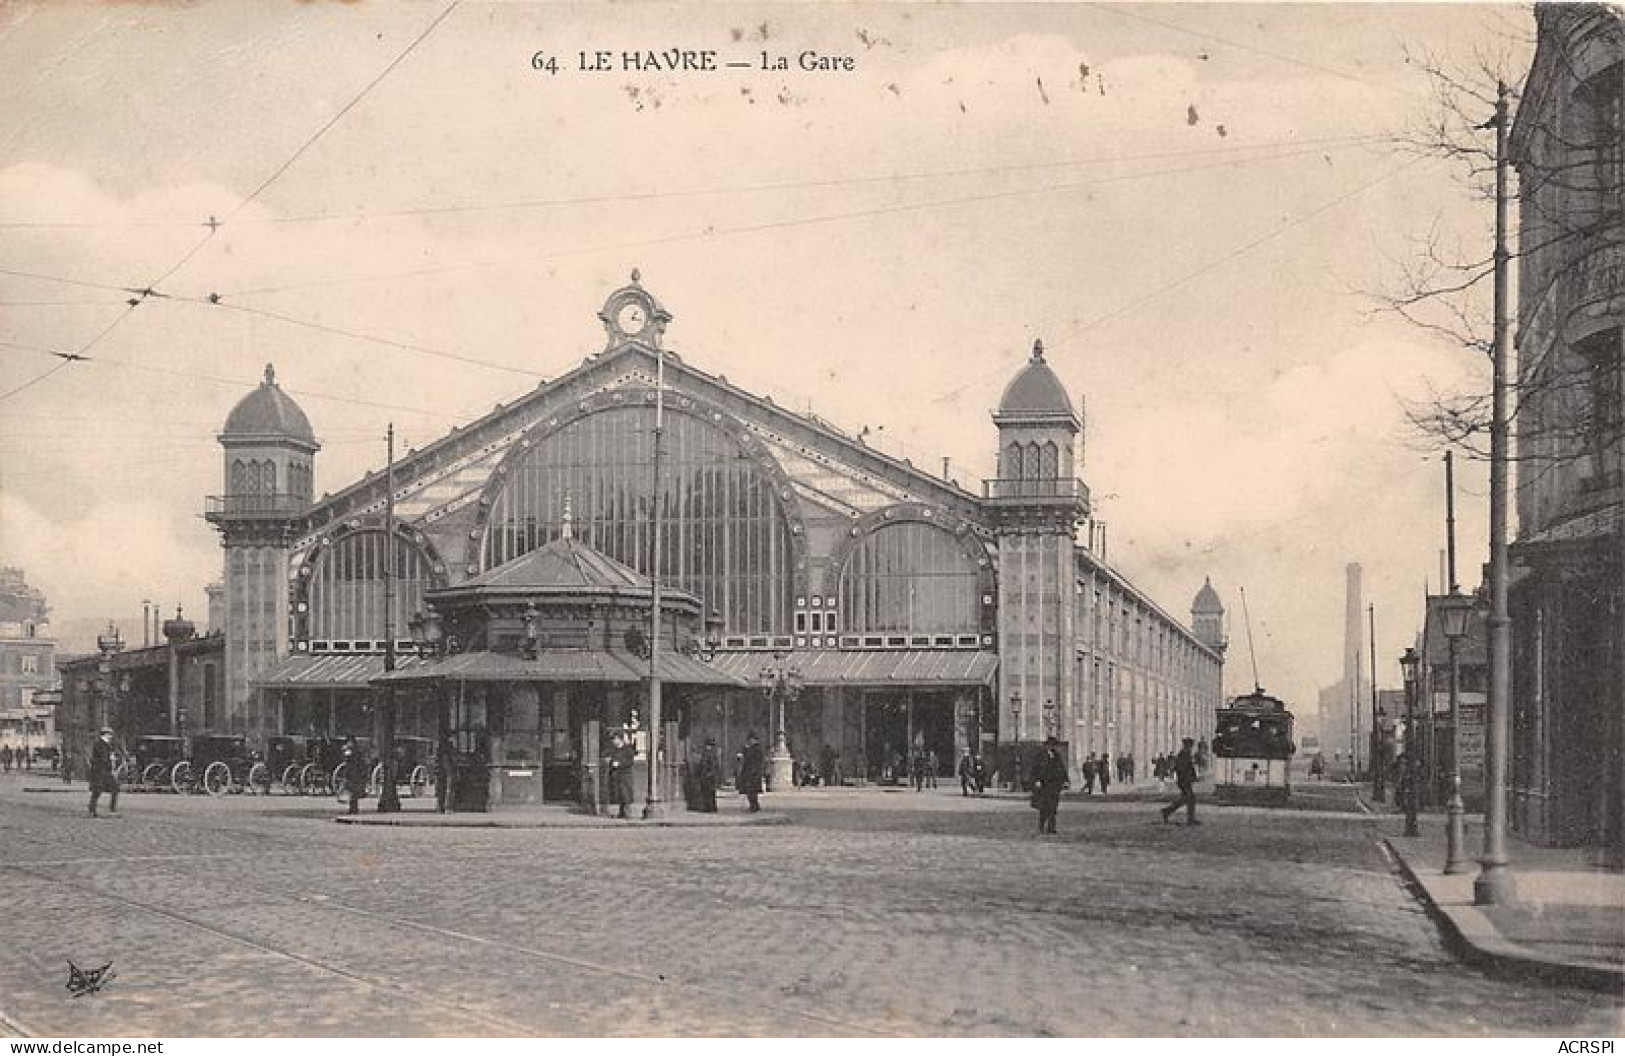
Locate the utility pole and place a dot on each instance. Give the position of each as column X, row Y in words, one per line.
column 1494, row 882
column 389, row 801
column 1379, row 788
column 651, row 802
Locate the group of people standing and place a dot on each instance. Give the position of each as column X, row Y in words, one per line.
column 22, row 757
column 1102, row 769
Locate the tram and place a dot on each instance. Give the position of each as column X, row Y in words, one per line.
column 1252, row 750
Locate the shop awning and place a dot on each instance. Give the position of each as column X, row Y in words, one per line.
column 562, row 665
column 335, row 671
column 873, row 667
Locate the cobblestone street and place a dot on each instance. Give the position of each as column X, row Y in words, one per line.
column 873, row 913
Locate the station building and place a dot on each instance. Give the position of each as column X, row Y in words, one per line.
column 915, row 614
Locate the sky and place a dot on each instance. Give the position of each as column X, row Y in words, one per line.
column 1194, row 206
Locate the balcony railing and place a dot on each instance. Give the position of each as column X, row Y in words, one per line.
column 1056, row 488
column 1596, row 290
column 255, row 505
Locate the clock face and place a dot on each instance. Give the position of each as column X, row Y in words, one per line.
column 631, row 318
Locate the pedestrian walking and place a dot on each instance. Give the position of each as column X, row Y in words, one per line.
column 1049, row 778
column 751, row 772
column 443, row 773
column 705, row 778
column 979, row 771
column 1128, row 769
column 1185, row 775
column 355, row 774
column 621, row 756
column 1201, row 756
column 967, row 774
column 1088, row 769
column 931, row 769
column 102, row 776
column 5, row 758
column 917, row 769
column 1103, row 772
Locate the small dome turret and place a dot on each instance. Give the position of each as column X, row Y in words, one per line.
column 1036, row 392
column 1207, row 599
column 268, row 414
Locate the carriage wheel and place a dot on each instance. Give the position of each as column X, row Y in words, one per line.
column 375, row 780
column 123, row 772
column 312, row 781
column 217, row 779
column 153, row 774
column 339, row 785
column 181, row 778
column 290, row 780
column 259, row 779
column 419, row 782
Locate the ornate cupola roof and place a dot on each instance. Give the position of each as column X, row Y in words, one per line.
column 1207, row 600
column 268, row 415
column 1036, row 396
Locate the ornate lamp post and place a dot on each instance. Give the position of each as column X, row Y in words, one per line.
column 1408, row 663
column 108, row 644
column 781, row 683
column 1455, row 609
column 1015, row 741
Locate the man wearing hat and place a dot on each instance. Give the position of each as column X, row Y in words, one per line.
column 102, row 777
column 1185, row 775
column 1049, row 778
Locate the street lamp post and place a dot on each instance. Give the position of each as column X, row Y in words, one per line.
column 1408, row 663
column 107, row 644
column 781, row 683
column 1015, row 741
column 1454, row 610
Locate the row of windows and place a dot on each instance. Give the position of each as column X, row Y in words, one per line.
column 1032, row 461
column 256, row 476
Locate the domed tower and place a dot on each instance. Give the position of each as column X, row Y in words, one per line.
column 269, row 457
column 1207, row 617
column 1034, row 506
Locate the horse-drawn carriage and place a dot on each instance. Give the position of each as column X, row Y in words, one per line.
column 221, row 763
column 155, row 759
column 414, row 766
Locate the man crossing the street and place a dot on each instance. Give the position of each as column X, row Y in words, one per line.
column 1185, row 776
column 102, row 776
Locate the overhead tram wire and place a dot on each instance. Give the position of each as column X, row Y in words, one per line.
column 790, row 185
column 238, row 383
column 1191, row 276
column 151, row 288
column 773, row 225
column 1117, row 9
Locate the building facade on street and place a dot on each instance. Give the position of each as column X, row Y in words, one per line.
column 1567, row 767
column 916, row 615
column 171, row 689
column 1435, row 739
column 27, row 666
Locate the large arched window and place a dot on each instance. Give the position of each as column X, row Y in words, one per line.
column 910, row 577
column 1012, row 460
column 727, row 540
column 346, row 591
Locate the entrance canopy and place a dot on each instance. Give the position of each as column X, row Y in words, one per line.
column 337, row 671
column 872, row 667
column 561, row 665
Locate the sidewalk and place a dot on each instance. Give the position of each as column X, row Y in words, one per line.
column 1567, row 924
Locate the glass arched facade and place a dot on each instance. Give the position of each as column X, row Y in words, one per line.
column 727, row 539
column 345, row 596
column 910, row 577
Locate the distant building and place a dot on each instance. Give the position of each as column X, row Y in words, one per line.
column 27, row 665
column 1567, row 769
column 920, row 614
column 171, row 689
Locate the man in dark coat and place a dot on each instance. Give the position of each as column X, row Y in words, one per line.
column 355, row 774
column 752, row 769
column 102, row 777
column 705, row 779
column 1088, row 768
column 967, row 774
column 621, row 756
column 1049, row 778
column 1185, row 775
column 1103, row 772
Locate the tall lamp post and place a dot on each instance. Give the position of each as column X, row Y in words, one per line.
column 781, row 683
column 1015, row 741
column 1455, row 609
column 1408, row 663
column 1379, row 790
column 107, row 644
